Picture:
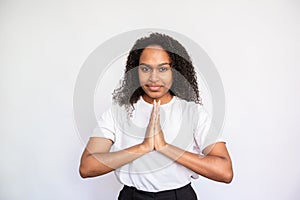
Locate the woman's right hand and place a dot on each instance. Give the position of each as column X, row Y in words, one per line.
column 148, row 143
column 97, row 159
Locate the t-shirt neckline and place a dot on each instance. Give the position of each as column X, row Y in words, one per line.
column 163, row 105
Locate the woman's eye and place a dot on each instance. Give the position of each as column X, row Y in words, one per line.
column 163, row 69
column 145, row 69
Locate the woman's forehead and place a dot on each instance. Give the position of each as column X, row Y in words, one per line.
column 154, row 55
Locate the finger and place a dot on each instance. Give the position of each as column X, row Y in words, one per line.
column 153, row 113
column 158, row 111
column 155, row 107
column 157, row 120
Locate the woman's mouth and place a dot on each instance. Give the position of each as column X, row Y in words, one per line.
column 154, row 87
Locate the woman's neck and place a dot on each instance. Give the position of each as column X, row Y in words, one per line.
column 163, row 100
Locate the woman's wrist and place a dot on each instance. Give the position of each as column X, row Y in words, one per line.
column 145, row 148
column 161, row 147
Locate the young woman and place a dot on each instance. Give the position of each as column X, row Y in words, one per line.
column 164, row 141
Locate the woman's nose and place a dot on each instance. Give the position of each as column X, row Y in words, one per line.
column 154, row 76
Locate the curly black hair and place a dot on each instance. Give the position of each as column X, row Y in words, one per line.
column 184, row 77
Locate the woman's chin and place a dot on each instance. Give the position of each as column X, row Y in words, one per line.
column 156, row 95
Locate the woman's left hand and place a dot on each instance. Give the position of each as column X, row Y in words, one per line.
column 159, row 139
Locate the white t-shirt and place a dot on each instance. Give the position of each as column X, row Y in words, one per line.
column 184, row 124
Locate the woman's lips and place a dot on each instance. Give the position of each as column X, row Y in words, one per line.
column 154, row 87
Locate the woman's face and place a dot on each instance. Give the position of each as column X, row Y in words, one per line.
column 155, row 74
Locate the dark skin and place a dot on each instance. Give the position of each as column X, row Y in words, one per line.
column 96, row 159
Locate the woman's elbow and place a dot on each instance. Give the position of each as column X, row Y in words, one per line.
column 87, row 167
column 228, row 176
column 88, row 171
column 83, row 172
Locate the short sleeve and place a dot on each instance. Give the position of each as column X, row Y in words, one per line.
column 105, row 127
column 204, row 134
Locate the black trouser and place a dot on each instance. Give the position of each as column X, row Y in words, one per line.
column 183, row 193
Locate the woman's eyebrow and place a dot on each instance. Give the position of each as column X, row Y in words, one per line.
column 161, row 64
column 145, row 64
column 165, row 63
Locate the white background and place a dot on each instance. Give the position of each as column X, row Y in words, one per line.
column 43, row 44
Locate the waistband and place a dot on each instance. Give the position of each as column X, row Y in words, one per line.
column 160, row 193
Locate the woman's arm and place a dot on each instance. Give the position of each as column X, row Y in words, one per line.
column 96, row 159
column 216, row 165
